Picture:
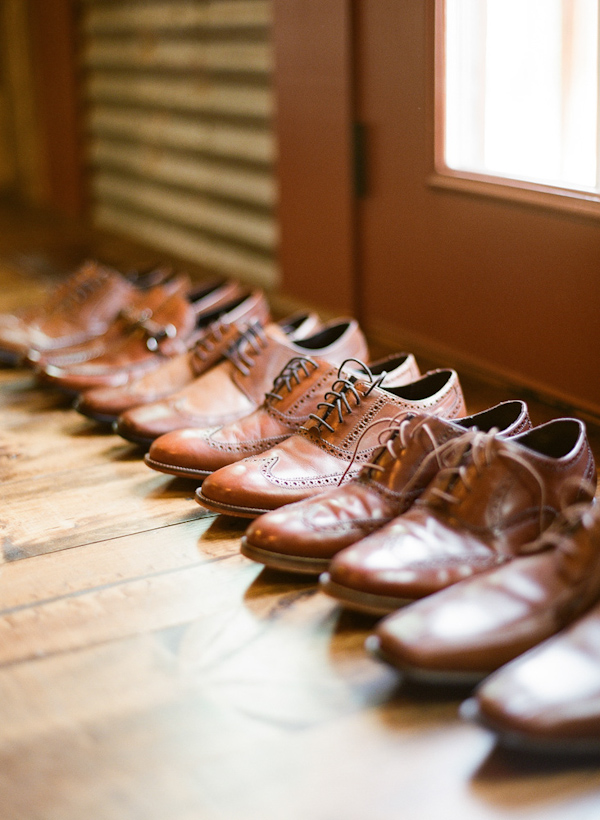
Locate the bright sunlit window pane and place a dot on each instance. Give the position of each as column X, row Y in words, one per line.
column 522, row 89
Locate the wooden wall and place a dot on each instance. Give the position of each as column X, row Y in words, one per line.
column 179, row 137
column 23, row 166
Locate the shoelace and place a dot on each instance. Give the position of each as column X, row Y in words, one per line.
column 478, row 449
column 570, row 519
column 133, row 318
column 340, row 390
column 399, row 429
column 156, row 333
column 214, row 334
column 291, row 375
column 252, row 340
column 141, row 321
column 77, row 288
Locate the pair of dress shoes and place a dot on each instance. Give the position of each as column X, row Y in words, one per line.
column 232, row 388
column 302, row 431
column 151, row 290
column 442, row 500
column 79, row 310
column 532, row 626
column 336, row 436
column 548, row 699
column 150, row 332
column 215, row 330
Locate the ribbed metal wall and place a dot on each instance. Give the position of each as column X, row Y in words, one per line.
column 179, row 128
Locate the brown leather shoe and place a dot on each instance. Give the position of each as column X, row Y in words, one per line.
column 331, row 447
column 295, row 394
column 233, row 390
column 304, row 537
column 493, row 499
column 465, row 632
column 153, row 339
column 547, row 700
column 82, row 308
column 145, row 423
column 215, row 331
column 150, row 293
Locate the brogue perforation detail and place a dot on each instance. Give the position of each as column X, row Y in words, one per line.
column 296, row 414
column 298, row 483
column 365, row 525
column 363, row 423
column 253, row 447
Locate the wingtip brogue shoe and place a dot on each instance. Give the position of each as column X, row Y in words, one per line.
column 331, row 448
column 232, row 390
column 491, row 500
column 472, row 628
column 216, row 329
column 303, row 537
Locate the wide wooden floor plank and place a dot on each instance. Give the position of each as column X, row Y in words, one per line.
column 65, row 510
column 57, row 442
column 54, row 575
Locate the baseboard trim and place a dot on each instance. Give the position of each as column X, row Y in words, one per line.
column 490, row 373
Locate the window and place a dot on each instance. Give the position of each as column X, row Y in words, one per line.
column 518, row 93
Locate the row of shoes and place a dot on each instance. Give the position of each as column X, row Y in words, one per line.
column 476, row 536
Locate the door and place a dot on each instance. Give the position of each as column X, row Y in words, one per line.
column 497, row 284
column 506, row 286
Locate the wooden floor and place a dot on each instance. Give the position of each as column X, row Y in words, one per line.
column 149, row 671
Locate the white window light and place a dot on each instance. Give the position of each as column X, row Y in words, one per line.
column 521, row 90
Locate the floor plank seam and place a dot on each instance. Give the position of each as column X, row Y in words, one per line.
column 197, row 517
column 115, row 584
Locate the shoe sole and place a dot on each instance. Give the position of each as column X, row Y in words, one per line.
column 227, row 509
column 135, row 439
column 359, row 601
column 101, row 418
column 10, row 359
column 287, row 563
column 173, row 469
column 418, row 674
column 66, row 391
column 519, row 741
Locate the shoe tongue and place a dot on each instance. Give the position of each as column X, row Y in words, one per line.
column 276, row 333
column 355, row 373
column 390, row 379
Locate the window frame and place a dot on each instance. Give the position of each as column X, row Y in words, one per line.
column 525, row 192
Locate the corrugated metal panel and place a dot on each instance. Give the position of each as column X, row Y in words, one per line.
column 177, row 15
column 180, row 141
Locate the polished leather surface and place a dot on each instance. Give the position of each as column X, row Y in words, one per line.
column 331, row 447
column 162, row 335
column 215, row 331
column 484, row 622
column 151, row 290
column 549, row 698
column 494, row 500
column 144, row 424
column 234, row 389
column 82, row 308
column 320, row 527
column 294, row 395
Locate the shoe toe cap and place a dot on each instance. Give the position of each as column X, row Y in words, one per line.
column 242, row 484
column 109, row 402
column 176, row 448
column 150, row 421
